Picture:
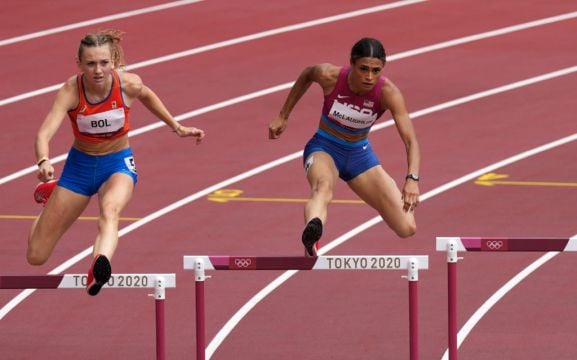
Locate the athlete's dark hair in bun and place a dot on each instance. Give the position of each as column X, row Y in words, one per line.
column 368, row 47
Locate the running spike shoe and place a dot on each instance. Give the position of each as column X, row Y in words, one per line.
column 311, row 235
column 98, row 275
column 43, row 191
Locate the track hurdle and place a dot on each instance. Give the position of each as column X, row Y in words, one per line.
column 366, row 262
column 158, row 282
column 452, row 245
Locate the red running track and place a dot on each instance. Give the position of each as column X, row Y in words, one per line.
column 313, row 315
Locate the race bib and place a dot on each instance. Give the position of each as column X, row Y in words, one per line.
column 129, row 161
column 352, row 116
column 102, row 123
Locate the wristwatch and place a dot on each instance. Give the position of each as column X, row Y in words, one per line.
column 412, row 177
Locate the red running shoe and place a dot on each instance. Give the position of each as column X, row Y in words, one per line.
column 311, row 235
column 98, row 275
column 43, row 191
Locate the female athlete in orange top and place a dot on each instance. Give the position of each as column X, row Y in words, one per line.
column 98, row 102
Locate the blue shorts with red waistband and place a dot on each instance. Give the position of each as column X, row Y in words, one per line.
column 84, row 174
column 350, row 160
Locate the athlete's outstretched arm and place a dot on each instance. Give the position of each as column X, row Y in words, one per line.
column 315, row 73
column 135, row 88
column 65, row 100
column 393, row 99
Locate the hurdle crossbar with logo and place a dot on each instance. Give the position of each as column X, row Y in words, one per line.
column 452, row 245
column 411, row 264
column 158, row 282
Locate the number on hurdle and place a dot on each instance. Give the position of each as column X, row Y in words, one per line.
column 412, row 264
column 158, row 282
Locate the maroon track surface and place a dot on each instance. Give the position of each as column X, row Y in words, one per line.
column 313, row 315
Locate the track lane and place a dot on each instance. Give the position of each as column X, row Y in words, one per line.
column 45, row 16
column 156, row 41
column 186, row 227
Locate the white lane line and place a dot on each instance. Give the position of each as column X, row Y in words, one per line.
column 494, row 33
column 281, row 30
column 422, row 50
column 230, row 42
column 99, row 20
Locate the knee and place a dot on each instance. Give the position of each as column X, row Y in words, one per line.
column 406, row 231
column 35, row 257
column 109, row 213
column 324, row 188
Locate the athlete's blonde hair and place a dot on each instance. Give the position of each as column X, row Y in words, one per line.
column 111, row 37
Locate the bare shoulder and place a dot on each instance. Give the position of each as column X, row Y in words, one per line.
column 70, row 85
column 391, row 96
column 389, row 87
column 390, row 90
column 326, row 72
column 67, row 96
column 131, row 83
column 326, row 75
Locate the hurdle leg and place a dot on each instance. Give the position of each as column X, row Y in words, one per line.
column 159, row 297
column 413, row 278
column 200, row 277
column 452, row 259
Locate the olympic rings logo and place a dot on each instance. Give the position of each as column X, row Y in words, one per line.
column 242, row 263
column 494, row 244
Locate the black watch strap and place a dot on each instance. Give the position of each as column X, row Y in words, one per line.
column 412, row 177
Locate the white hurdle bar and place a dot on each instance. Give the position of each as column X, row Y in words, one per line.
column 412, row 264
column 158, row 282
column 452, row 245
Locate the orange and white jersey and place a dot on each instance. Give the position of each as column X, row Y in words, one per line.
column 102, row 121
